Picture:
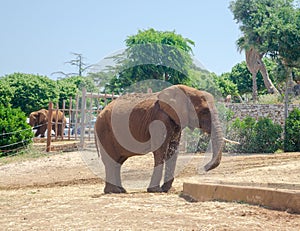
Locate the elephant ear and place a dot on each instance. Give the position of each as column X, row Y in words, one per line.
column 174, row 102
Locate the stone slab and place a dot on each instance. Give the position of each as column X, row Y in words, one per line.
column 285, row 200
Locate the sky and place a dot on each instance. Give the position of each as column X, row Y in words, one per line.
column 38, row 37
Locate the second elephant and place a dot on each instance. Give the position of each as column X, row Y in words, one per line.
column 39, row 120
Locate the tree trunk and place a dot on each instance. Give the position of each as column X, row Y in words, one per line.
column 267, row 81
column 254, row 87
column 288, row 91
column 255, row 64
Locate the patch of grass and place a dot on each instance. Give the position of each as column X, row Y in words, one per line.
column 31, row 152
column 270, row 99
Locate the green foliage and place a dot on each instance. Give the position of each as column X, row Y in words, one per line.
column 203, row 80
column 30, row 92
column 15, row 132
column 262, row 136
column 271, row 26
column 70, row 87
column 6, row 93
column 226, row 86
column 268, row 136
column 292, row 132
column 33, row 92
column 152, row 54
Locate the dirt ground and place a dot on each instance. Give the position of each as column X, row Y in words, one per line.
column 60, row 192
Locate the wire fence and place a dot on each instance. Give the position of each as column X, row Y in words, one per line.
column 80, row 115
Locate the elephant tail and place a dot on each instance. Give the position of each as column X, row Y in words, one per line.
column 97, row 141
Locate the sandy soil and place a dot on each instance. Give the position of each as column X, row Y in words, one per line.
column 60, row 192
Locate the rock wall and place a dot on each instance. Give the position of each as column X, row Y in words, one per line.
column 273, row 111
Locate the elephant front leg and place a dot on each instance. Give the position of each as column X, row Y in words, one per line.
column 170, row 163
column 154, row 185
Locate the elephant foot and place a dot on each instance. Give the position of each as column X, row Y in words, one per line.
column 155, row 189
column 167, row 185
column 110, row 188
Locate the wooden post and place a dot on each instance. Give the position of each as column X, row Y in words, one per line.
column 83, row 110
column 49, row 127
column 90, row 116
column 70, row 118
column 76, row 116
column 56, row 121
column 63, row 125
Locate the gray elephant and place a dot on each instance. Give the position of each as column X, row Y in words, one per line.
column 137, row 124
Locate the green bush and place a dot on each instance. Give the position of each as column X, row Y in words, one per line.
column 15, row 133
column 262, row 136
column 267, row 136
column 292, row 132
column 195, row 140
column 243, row 132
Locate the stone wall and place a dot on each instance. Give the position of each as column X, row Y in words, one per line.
column 273, row 111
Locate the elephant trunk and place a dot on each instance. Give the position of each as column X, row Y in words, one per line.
column 217, row 140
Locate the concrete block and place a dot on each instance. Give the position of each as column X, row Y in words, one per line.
column 285, row 200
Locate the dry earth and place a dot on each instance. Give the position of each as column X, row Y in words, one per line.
column 59, row 192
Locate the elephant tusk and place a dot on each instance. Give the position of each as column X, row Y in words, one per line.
column 230, row 141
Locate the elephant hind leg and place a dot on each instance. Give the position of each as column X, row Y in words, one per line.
column 113, row 175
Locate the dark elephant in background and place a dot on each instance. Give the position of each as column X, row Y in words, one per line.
column 39, row 120
column 136, row 124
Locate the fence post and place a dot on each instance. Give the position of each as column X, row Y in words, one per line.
column 63, row 125
column 76, row 116
column 70, row 118
column 49, row 127
column 82, row 125
column 56, row 121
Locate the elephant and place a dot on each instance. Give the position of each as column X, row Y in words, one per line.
column 136, row 124
column 39, row 120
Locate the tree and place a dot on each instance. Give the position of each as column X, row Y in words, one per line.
column 242, row 78
column 252, row 15
column 31, row 92
column 70, row 87
column 151, row 54
column 227, row 86
column 15, row 132
column 6, row 93
column 77, row 62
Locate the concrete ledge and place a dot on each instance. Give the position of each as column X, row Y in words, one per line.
column 271, row 198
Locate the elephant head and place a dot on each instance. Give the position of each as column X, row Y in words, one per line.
column 189, row 107
column 38, row 120
column 38, row 117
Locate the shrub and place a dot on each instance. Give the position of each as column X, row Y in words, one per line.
column 292, row 132
column 267, row 136
column 15, row 133
column 255, row 136
column 194, row 140
column 243, row 132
